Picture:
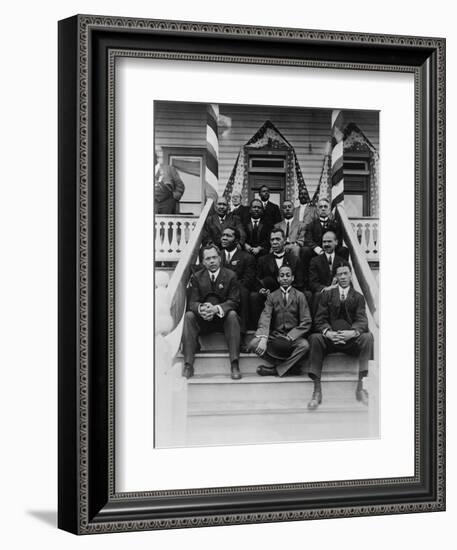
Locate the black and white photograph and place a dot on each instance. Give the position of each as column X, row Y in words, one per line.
column 266, row 272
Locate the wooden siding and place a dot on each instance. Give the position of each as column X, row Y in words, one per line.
column 308, row 130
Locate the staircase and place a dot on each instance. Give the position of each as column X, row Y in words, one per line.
column 258, row 409
column 212, row 409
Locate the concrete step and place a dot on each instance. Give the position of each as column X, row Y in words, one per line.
column 238, row 428
column 210, row 363
column 219, row 394
column 216, row 341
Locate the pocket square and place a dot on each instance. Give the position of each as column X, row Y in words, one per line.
column 221, row 285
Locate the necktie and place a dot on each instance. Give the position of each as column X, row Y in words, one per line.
column 213, row 280
column 330, row 263
column 284, row 296
column 342, row 297
column 255, row 233
column 287, row 230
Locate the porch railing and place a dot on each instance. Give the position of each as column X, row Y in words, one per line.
column 367, row 233
column 172, row 233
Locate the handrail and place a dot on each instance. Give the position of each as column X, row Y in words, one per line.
column 365, row 276
column 176, row 291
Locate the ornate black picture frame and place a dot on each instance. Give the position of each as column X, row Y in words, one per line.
column 88, row 501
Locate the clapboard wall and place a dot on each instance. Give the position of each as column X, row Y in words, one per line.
column 308, row 130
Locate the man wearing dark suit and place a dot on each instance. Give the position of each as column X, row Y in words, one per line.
column 168, row 189
column 217, row 222
column 243, row 264
column 268, row 270
column 239, row 209
column 214, row 301
column 257, row 231
column 293, row 229
column 271, row 212
column 315, row 229
column 304, row 212
column 342, row 326
column 284, row 323
column 321, row 268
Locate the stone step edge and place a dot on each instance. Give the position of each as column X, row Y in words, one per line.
column 322, row 409
column 256, row 379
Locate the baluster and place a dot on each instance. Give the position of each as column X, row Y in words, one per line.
column 173, row 238
column 158, row 238
column 375, row 238
column 367, row 235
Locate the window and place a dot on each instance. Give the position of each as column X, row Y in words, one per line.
column 357, row 185
column 189, row 162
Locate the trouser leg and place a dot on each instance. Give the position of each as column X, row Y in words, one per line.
column 256, row 303
column 365, row 345
column 299, row 349
column 232, row 334
column 191, row 330
column 244, row 309
column 318, row 350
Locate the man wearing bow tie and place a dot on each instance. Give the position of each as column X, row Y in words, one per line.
column 213, row 305
column 217, row 222
column 268, row 270
column 316, row 229
column 341, row 326
column 239, row 209
column 321, row 276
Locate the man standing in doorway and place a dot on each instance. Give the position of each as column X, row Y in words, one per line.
column 271, row 212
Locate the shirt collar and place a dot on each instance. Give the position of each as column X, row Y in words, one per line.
column 215, row 274
column 343, row 291
column 286, row 291
column 230, row 253
column 253, row 221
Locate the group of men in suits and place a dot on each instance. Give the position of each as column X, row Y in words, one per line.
column 283, row 279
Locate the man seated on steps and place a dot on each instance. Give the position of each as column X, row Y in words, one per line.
column 294, row 231
column 214, row 302
column 342, row 326
column 321, row 269
column 283, row 325
column 243, row 264
column 268, row 271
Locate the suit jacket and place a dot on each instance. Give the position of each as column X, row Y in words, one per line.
column 213, row 228
column 294, row 319
column 296, row 231
column 267, row 271
column 263, row 235
column 272, row 214
column 328, row 310
column 314, row 232
column 242, row 212
column 319, row 272
column 309, row 216
column 226, row 292
column 168, row 190
column 243, row 264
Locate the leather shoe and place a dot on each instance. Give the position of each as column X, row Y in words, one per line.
column 235, row 372
column 188, row 371
column 263, row 370
column 362, row 396
column 316, row 400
